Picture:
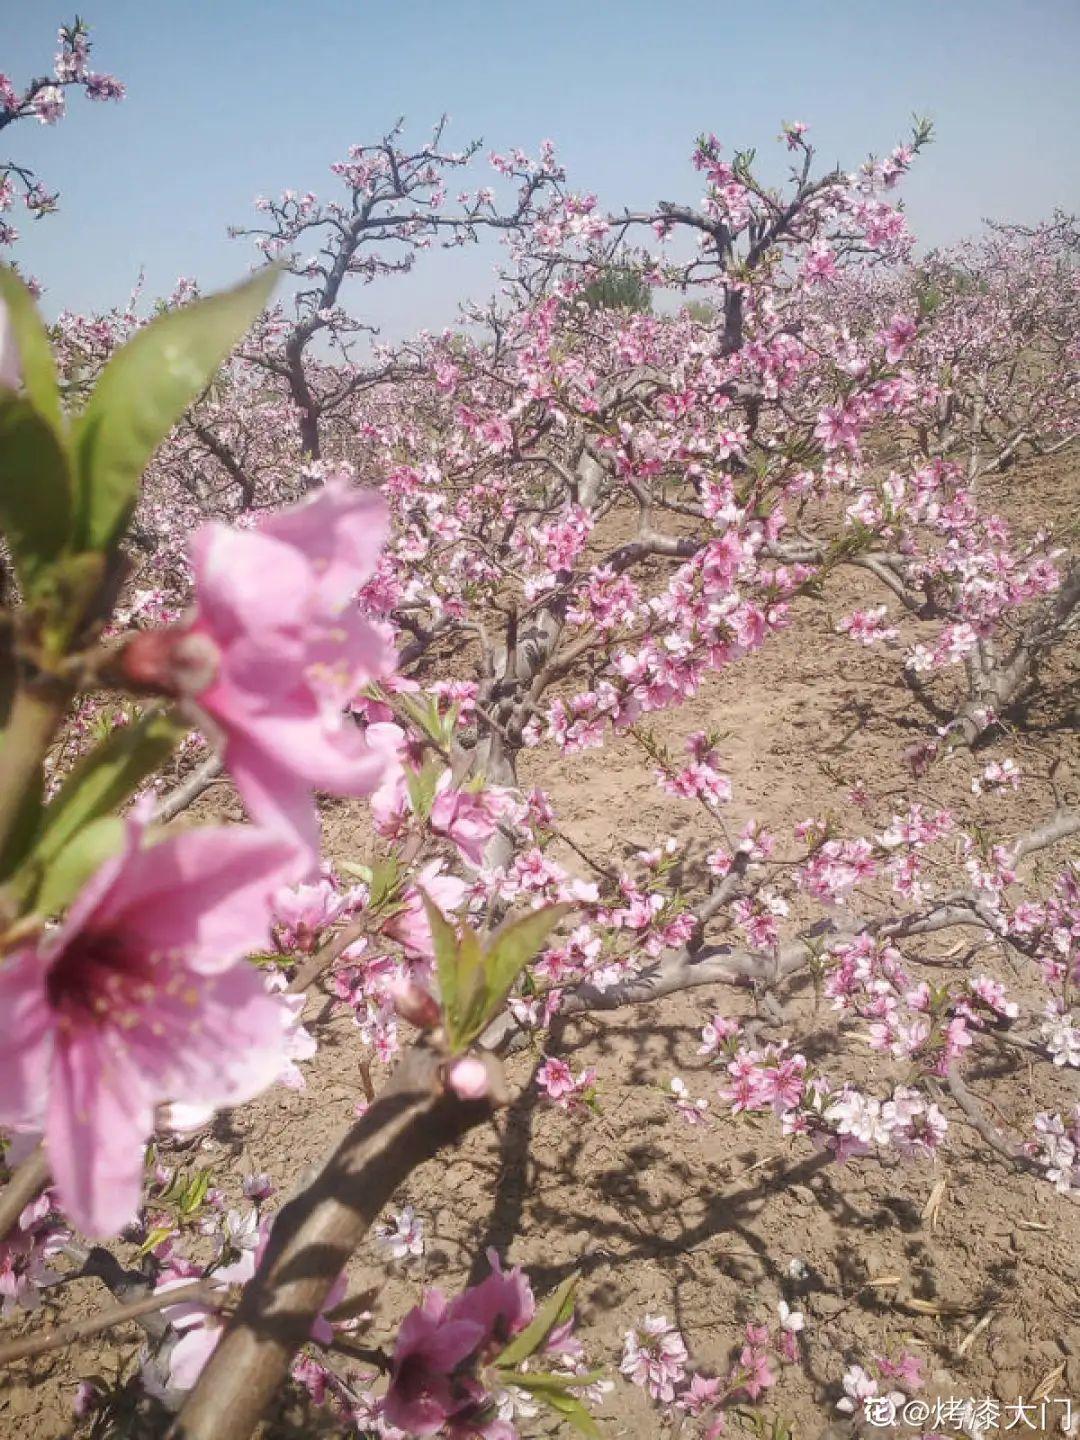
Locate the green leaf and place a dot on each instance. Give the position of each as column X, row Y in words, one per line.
column 574, row 1413
column 421, row 786
column 427, row 719
column 35, row 487
column 156, row 1236
column 35, row 352
column 65, row 877
column 195, row 1193
column 468, row 1020
column 383, row 880
column 556, row 1310
column 511, row 948
column 474, row 979
column 66, row 597
column 459, row 964
column 554, row 1392
column 143, row 391
column 107, row 777
column 24, row 830
column 546, row 1382
column 444, row 939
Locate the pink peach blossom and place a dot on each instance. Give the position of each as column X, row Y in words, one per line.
column 431, row 1344
column 138, row 997
column 275, row 653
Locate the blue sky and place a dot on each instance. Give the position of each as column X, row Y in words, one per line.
column 229, row 98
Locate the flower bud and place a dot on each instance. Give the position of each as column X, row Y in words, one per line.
column 172, row 661
column 469, row 1078
column 416, row 1005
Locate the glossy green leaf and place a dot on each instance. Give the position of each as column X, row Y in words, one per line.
column 35, row 487
column 142, row 393
column 555, row 1311
column 510, row 949
column 77, row 862
column 35, row 352
column 104, row 779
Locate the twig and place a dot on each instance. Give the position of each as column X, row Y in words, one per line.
column 26, row 1184
column 185, row 794
column 324, row 957
column 199, row 1292
column 582, row 854
column 979, row 1122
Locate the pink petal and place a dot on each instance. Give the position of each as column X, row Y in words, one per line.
column 232, row 571
column 258, row 667
column 343, row 654
column 189, row 1355
column 341, row 532
column 277, row 762
column 96, row 1129
column 277, row 798
column 452, row 1342
column 206, row 892
column 328, row 752
column 25, row 1039
column 222, row 1043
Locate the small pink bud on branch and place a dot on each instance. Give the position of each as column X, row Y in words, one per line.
column 469, row 1078
column 415, row 1004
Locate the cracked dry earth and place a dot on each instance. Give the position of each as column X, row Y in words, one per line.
column 973, row 1266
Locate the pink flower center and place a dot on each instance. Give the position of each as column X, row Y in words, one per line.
column 100, row 979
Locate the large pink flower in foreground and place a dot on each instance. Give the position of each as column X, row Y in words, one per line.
column 277, row 651
column 138, row 997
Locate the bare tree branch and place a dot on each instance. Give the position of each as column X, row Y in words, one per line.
column 199, row 1292
column 26, row 1184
